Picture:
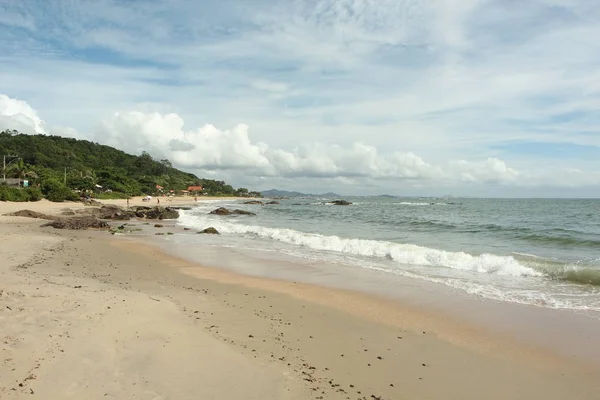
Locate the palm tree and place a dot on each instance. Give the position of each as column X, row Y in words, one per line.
column 22, row 170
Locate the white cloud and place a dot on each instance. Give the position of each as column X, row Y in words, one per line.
column 211, row 149
column 17, row 114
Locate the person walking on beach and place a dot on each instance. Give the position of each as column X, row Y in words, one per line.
column 128, row 203
column 157, row 201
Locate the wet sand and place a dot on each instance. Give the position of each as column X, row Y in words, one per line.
column 91, row 315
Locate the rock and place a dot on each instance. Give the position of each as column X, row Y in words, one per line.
column 225, row 211
column 210, row 230
column 78, row 223
column 273, row 202
column 158, row 225
column 187, row 229
column 162, row 213
column 67, row 213
column 242, row 212
column 33, row 214
column 254, row 202
column 341, row 203
column 221, row 211
column 111, row 211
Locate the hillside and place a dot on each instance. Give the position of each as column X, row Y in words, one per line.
column 81, row 164
column 285, row 193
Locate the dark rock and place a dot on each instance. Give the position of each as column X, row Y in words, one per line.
column 221, row 211
column 242, row 212
column 273, row 202
column 78, row 223
column 225, row 211
column 33, row 214
column 187, row 229
column 158, row 225
column 341, row 203
column 254, row 202
column 210, row 230
column 111, row 211
column 162, row 213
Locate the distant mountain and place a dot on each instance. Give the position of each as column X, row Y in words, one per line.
column 286, row 193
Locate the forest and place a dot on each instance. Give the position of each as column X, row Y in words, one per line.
column 59, row 168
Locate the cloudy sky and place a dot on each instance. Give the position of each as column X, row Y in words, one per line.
column 408, row 97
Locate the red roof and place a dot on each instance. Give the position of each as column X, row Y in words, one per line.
column 194, row 188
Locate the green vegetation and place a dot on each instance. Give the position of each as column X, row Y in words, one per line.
column 60, row 167
column 17, row 194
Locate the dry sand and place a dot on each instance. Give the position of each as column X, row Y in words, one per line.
column 90, row 315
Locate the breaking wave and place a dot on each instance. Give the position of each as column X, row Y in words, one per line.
column 407, row 254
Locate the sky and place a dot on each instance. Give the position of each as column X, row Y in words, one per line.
column 497, row 98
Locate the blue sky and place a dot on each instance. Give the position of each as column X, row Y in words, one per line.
column 474, row 97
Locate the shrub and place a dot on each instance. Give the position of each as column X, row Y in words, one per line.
column 34, row 194
column 55, row 191
column 18, row 194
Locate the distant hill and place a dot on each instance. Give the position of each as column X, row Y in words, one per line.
column 83, row 165
column 286, row 193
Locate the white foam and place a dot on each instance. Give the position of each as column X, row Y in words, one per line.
column 402, row 253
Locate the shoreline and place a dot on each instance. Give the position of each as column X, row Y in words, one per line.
column 317, row 342
column 377, row 308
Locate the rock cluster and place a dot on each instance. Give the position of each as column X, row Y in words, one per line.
column 225, row 211
column 341, row 203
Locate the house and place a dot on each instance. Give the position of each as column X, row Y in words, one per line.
column 11, row 181
column 194, row 188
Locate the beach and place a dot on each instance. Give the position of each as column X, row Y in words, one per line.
column 86, row 314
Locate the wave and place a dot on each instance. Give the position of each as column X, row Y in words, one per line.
column 402, row 253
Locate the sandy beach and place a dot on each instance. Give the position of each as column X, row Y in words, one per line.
column 84, row 314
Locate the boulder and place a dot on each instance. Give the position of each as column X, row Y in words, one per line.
column 273, row 202
column 161, row 213
column 254, row 202
column 242, row 212
column 158, row 225
column 78, row 223
column 114, row 212
column 341, row 203
column 221, row 211
column 225, row 211
column 209, row 230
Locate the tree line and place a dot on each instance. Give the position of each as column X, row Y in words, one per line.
column 58, row 168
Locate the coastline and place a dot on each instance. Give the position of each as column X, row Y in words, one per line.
column 305, row 339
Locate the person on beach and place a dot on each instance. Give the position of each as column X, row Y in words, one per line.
column 157, row 201
column 128, row 203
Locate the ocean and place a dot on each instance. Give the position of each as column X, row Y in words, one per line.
column 541, row 252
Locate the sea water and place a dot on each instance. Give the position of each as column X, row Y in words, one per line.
column 542, row 252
